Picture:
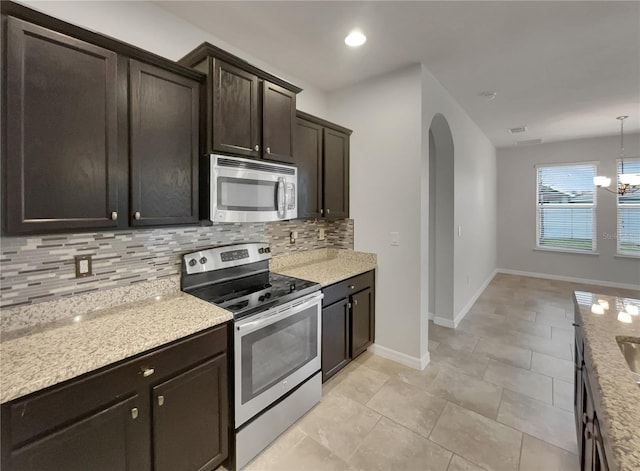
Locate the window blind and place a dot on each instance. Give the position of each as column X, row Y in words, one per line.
column 566, row 206
column 628, row 233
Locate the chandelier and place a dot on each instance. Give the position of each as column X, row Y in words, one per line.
column 627, row 182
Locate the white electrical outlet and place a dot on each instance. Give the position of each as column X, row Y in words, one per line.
column 321, row 233
column 395, row 239
column 293, row 236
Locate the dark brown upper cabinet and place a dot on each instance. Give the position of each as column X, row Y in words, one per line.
column 278, row 122
column 164, row 146
column 99, row 134
column 61, row 156
column 322, row 156
column 249, row 112
column 235, row 125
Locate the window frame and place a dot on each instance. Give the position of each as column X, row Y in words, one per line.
column 620, row 253
column 593, row 206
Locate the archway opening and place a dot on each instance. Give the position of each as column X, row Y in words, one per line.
column 441, row 221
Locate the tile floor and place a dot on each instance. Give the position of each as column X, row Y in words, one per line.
column 497, row 395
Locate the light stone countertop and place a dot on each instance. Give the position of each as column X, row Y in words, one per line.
column 57, row 352
column 324, row 266
column 616, row 394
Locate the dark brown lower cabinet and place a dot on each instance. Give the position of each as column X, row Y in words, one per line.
column 591, row 449
column 164, row 410
column 348, row 321
column 187, row 430
column 104, row 441
column 335, row 338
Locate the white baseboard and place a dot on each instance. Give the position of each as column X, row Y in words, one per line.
column 402, row 358
column 572, row 279
column 452, row 324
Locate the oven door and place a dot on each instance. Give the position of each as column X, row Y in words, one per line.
column 243, row 190
column 275, row 351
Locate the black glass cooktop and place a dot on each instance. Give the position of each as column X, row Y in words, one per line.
column 255, row 293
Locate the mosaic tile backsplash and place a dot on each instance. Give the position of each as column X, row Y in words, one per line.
column 41, row 268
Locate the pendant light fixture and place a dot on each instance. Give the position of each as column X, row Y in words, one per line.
column 627, row 182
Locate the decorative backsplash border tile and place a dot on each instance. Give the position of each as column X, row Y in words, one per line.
column 41, row 268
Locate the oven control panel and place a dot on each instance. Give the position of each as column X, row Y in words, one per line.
column 226, row 256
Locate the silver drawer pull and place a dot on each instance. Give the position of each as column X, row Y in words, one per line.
column 114, row 215
column 134, row 413
column 355, row 301
column 146, row 372
column 160, row 400
column 268, row 150
column 257, row 148
column 352, row 287
column 136, row 215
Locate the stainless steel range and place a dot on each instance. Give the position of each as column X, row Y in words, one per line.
column 277, row 328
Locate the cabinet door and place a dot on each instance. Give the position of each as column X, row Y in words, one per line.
column 107, row 440
column 190, row 419
column 61, row 149
column 278, row 122
column 308, row 157
column 599, row 457
column 335, row 338
column 336, row 174
column 362, row 318
column 236, row 122
column 164, row 146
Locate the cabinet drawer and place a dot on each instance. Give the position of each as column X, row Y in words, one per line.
column 347, row 287
column 63, row 404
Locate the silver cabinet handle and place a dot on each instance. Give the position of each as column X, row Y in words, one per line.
column 160, row 400
column 355, row 301
column 352, row 287
column 146, row 372
column 268, row 150
column 256, row 148
column 348, row 305
column 322, row 211
column 114, row 215
column 136, row 215
column 328, row 211
column 134, row 413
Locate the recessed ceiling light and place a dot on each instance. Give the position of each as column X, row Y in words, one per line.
column 355, row 38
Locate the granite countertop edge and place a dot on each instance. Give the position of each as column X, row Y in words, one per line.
column 50, row 355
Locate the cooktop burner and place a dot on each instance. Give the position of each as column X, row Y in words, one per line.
column 253, row 293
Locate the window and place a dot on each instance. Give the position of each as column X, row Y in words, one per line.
column 629, row 214
column 566, row 207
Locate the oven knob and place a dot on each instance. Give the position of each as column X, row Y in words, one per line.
column 261, row 250
column 267, row 285
column 267, row 295
column 192, row 262
column 203, row 260
column 267, row 250
column 261, row 298
column 292, row 287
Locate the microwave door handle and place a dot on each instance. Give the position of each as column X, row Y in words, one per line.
column 281, row 202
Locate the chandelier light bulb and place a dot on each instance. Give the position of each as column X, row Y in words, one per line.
column 630, row 179
column 601, row 181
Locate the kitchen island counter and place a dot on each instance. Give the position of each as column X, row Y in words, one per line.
column 616, row 394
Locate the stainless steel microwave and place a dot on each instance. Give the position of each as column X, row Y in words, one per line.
column 244, row 190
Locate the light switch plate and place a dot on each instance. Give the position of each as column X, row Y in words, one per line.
column 83, row 266
column 395, row 239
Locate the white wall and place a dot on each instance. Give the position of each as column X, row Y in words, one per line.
column 149, row 27
column 517, row 211
column 390, row 116
column 386, row 150
column 475, row 199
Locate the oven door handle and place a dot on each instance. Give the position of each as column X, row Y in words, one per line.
column 279, row 315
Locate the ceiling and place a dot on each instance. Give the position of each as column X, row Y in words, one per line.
column 563, row 69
